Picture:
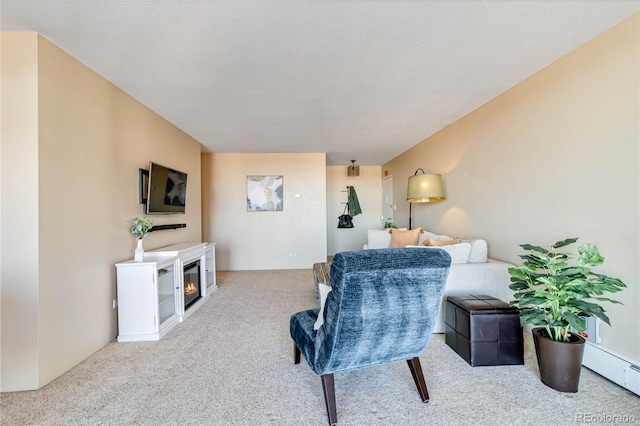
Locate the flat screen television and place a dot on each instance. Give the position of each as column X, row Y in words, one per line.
column 166, row 190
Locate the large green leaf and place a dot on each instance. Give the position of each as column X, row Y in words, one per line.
column 529, row 271
column 549, row 281
column 538, row 249
column 564, row 243
column 518, row 285
column 532, row 300
column 589, row 255
column 533, row 262
column 612, row 284
column 575, row 270
column 575, row 321
column 589, row 309
column 517, row 273
column 533, row 316
column 606, row 299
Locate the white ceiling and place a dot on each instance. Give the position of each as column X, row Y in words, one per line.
column 362, row 80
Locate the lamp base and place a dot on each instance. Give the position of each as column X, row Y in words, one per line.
column 410, row 215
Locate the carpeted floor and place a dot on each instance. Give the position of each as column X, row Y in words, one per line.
column 231, row 363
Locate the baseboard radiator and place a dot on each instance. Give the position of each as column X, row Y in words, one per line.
column 607, row 363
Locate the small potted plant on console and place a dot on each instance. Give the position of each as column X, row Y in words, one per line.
column 140, row 227
column 555, row 297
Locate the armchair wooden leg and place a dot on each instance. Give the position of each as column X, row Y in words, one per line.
column 329, row 397
column 296, row 354
column 418, row 378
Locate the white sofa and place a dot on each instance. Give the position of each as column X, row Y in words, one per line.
column 471, row 272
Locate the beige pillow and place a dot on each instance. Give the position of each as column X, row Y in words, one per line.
column 433, row 242
column 402, row 238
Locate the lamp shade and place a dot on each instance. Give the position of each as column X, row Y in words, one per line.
column 425, row 188
column 353, row 170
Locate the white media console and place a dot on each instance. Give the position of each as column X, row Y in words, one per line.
column 165, row 288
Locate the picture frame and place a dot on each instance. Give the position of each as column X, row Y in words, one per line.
column 265, row 193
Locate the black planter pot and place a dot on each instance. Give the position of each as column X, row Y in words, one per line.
column 559, row 362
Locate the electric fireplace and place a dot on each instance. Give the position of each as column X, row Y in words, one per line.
column 191, row 284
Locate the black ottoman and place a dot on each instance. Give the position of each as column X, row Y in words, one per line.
column 483, row 330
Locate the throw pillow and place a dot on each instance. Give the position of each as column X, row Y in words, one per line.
column 434, row 242
column 425, row 236
column 402, row 238
column 324, row 292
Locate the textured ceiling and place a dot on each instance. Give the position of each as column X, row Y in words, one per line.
column 362, row 80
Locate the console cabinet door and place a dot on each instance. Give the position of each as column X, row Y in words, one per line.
column 147, row 296
column 137, row 302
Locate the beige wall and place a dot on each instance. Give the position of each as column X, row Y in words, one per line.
column 75, row 186
column 19, row 290
column 556, row 156
column 265, row 240
column 367, row 187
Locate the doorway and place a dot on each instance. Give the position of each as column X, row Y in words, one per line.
column 387, row 200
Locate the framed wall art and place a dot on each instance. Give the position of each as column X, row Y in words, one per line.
column 264, row 194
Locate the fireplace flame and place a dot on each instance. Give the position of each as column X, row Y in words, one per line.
column 190, row 288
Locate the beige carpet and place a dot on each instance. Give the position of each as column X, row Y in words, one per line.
column 231, row 363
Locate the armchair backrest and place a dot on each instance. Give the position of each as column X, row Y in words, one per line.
column 382, row 307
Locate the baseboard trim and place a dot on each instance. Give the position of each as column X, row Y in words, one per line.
column 612, row 366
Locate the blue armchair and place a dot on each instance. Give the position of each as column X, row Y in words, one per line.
column 382, row 308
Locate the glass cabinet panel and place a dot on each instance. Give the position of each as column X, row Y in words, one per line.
column 166, row 293
column 210, row 265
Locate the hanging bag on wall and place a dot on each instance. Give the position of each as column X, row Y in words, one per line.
column 344, row 220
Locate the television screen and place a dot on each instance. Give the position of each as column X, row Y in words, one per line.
column 167, row 190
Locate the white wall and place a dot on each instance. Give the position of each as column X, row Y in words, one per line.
column 556, row 156
column 294, row 238
column 367, row 187
column 72, row 145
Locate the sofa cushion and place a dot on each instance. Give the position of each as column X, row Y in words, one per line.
column 479, row 252
column 459, row 252
column 402, row 238
column 378, row 238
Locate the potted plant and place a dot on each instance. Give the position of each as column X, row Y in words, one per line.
column 555, row 297
column 140, row 227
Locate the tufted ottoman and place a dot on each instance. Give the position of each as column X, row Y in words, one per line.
column 483, row 330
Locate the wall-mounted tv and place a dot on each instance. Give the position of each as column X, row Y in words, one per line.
column 167, row 190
